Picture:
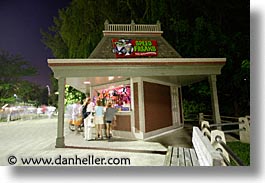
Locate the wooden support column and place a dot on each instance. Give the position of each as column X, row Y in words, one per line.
column 132, row 106
column 214, row 97
column 141, row 107
column 60, row 123
column 174, row 106
column 180, row 106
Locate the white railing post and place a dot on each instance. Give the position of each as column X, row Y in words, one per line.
column 158, row 24
column 132, row 26
column 200, row 118
column 9, row 117
column 106, row 24
column 244, row 130
column 205, row 123
column 205, row 126
column 216, row 145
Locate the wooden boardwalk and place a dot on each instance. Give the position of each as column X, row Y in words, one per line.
column 181, row 156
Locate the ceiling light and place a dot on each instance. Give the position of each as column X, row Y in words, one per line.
column 111, row 78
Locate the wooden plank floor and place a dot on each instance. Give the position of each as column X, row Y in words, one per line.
column 181, row 156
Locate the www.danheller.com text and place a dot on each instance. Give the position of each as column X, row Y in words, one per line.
column 89, row 160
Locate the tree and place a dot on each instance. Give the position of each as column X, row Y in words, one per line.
column 72, row 95
column 13, row 68
column 28, row 92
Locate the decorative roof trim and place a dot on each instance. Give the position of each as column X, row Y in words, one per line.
column 135, row 62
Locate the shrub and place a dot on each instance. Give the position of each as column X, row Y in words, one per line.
column 242, row 150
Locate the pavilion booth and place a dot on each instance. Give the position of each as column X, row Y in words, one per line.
column 138, row 70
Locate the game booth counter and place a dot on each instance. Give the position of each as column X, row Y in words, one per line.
column 135, row 68
column 119, row 94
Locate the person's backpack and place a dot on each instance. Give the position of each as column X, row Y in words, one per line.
column 84, row 113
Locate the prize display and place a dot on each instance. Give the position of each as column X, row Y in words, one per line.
column 119, row 96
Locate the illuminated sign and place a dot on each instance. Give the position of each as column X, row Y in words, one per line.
column 134, row 48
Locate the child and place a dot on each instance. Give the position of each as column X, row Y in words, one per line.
column 99, row 115
column 109, row 117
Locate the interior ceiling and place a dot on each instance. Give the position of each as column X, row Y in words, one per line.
column 78, row 82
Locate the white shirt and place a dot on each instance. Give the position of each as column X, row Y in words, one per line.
column 90, row 107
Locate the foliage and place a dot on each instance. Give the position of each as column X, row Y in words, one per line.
column 192, row 107
column 242, row 150
column 72, row 95
column 29, row 92
column 13, row 69
column 213, row 29
column 236, row 92
column 22, row 91
column 53, row 98
column 77, row 30
column 9, row 100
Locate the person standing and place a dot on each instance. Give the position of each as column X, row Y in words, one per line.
column 99, row 115
column 109, row 118
column 88, row 126
column 84, row 108
column 87, row 107
column 76, row 113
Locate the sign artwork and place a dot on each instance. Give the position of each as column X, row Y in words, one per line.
column 134, row 48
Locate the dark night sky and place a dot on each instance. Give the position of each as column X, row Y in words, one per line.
column 20, row 24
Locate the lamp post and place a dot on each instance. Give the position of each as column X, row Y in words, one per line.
column 15, row 95
column 49, row 93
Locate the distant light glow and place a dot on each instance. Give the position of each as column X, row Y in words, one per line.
column 87, row 82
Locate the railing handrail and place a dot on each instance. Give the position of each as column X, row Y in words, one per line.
column 227, row 117
column 225, row 124
column 242, row 122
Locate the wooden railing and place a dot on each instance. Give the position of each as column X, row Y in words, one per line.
column 132, row 27
column 239, row 125
column 218, row 139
